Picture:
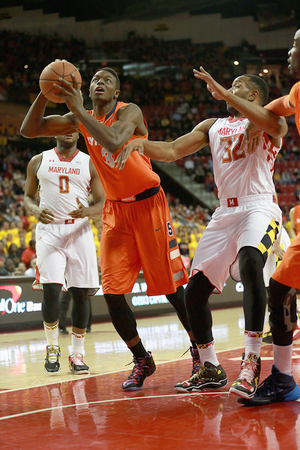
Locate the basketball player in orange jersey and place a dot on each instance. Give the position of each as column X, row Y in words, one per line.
column 137, row 227
column 280, row 386
column 65, row 247
column 239, row 237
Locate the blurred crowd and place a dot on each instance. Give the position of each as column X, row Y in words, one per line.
column 173, row 102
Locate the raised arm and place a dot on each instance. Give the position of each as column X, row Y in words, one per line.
column 129, row 119
column 261, row 117
column 168, row 151
column 36, row 125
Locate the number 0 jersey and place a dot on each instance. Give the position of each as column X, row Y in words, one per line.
column 62, row 181
column 238, row 173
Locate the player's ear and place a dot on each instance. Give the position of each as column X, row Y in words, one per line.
column 117, row 93
column 253, row 95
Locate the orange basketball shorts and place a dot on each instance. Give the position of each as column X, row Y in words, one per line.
column 289, row 269
column 140, row 235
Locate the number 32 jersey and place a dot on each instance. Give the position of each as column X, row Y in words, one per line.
column 236, row 172
column 61, row 181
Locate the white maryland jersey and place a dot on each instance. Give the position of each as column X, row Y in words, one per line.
column 61, row 181
column 237, row 173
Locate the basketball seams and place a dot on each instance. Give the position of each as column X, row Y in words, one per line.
column 47, row 82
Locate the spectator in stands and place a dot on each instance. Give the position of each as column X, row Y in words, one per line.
column 4, row 229
column 31, row 271
column 3, row 255
column 28, row 253
column 285, row 177
column 3, row 271
column 20, row 270
column 22, row 240
column 14, row 253
column 10, row 267
column 189, row 166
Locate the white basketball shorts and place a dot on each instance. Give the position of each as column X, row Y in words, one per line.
column 66, row 255
column 230, row 229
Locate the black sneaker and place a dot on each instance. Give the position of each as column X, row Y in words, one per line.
column 278, row 387
column 143, row 368
column 76, row 364
column 207, row 377
column 52, row 363
column 247, row 381
column 195, row 360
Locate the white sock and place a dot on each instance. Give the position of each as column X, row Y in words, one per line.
column 253, row 340
column 51, row 334
column 282, row 356
column 77, row 343
column 207, row 352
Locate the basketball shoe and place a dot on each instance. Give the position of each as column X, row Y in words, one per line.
column 76, row 364
column 278, row 387
column 247, row 381
column 207, row 377
column 52, row 363
column 143, row 368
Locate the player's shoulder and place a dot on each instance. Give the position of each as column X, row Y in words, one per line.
column 128, row 108
column 35, row 162
column 205, row 125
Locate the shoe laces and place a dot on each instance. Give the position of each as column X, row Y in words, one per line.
column 198, row 375
column 52, row 354
column 77, row 359
column 248, row 369
column 139, row 366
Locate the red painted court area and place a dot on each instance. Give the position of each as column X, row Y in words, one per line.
column 95, row 413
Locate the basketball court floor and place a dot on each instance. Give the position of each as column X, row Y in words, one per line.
column 62, row 411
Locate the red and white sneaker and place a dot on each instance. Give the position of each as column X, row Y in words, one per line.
column 246, row 384
column 76, row 364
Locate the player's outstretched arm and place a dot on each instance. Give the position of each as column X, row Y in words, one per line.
column 168, row 151
column 269, row 122
column 36, row 125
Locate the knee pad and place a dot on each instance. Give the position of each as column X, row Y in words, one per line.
column 282, row 307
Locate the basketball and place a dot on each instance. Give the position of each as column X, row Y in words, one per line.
column 52, row 73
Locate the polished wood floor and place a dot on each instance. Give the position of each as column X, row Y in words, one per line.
column 42, row 411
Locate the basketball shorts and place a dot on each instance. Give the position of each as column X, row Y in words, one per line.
column 288, row 271
column 140, row 235
column 66, row 255
column 273, row 262
column 255, row 222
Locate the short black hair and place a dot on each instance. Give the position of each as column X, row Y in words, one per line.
column 261, row 85
column 114, row 73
